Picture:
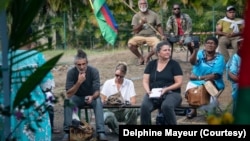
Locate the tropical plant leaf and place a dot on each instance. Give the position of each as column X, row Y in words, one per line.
column 34, row 79
column 23, row 12
column 4, row 4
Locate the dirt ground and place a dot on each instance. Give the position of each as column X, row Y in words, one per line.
column 106, row 64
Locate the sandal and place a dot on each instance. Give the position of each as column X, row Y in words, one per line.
column 141, row 62
column 56, row 131
column 146, row 60
column 192, row 114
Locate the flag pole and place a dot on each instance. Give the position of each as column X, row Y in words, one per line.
column 90, row 1
column 157, row 32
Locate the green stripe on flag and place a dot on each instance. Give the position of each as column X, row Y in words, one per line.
column 242, row 114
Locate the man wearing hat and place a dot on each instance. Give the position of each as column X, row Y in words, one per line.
column 229, row 30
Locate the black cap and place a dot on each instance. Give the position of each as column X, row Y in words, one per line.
column 229, row 8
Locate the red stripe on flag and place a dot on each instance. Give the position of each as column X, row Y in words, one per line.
column 108, row 18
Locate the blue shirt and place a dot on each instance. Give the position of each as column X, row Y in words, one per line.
column 203, row 67
column 233, row 65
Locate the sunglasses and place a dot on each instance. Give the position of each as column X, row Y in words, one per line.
column 176, row 8
column 117, row 75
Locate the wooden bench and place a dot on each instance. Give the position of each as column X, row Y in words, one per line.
column 180, row 110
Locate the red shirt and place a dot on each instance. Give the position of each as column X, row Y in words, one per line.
column 180, row 31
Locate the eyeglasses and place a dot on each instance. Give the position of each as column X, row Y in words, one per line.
column 117, row 75
column 211, row 43
column 176, row 8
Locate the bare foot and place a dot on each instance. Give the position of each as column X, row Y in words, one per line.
column 146, row 59
column 141, row 61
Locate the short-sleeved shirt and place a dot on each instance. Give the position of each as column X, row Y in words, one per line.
column 152, row 18
column 89, row 86
column 233, row 65
column 127, row 88
column 203, row 67
column 226, row 25
column 164, row 78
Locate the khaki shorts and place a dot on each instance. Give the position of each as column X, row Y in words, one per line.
column 139, row 40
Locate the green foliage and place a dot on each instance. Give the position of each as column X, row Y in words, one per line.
column 84, row 31
column 34, row 80
column 3, row 4
column 22, row 12
column 21, row 15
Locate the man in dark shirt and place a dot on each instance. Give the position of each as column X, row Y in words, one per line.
column 83, row 88
column 179, row 25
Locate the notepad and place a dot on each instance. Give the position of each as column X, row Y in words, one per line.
column 155, row 93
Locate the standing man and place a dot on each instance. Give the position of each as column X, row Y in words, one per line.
column 83, row 88
column 145, row 24
column 180, row 25
column 229, row 30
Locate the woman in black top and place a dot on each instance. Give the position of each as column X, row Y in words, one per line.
column 166, row 74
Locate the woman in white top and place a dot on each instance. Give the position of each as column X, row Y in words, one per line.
column 126, row 87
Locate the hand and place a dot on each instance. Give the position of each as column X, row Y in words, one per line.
column 165, row 90
column 230, row 35
column 143, row 20
column 181, row 42
column 149, row 92
column 163, row 38
column 81, row 77
column 193, row 45
column 88, row 99
column 193, row 77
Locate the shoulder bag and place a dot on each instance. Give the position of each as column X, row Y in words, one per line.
column 115, row 99
column 198, row 96
column 80, row 131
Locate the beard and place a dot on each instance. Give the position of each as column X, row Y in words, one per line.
column 143, row 9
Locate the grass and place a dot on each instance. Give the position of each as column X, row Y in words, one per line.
column 70, row 53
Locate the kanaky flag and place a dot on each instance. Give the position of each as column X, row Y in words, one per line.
column 106, row 21
column 242, row 115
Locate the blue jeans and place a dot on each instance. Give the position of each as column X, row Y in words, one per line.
column 166, row 105
column 76, row 101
